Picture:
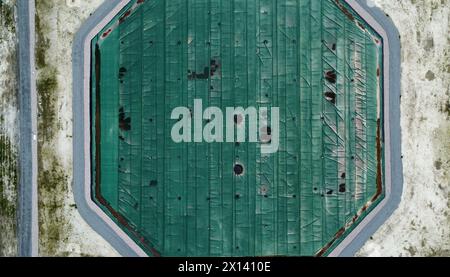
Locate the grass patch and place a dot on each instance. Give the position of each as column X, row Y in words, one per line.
column 42, row 43
column 8, row 196
column 7, row 16
column 53, row 227
column 47, row 85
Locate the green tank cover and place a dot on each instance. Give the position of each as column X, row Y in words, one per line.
column 315, row 60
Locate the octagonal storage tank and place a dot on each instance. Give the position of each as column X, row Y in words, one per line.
column 279, row 111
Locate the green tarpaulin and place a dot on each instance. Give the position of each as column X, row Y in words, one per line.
column 316, row 60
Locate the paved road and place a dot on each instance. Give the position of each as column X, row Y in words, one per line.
column 28, row 207
column 394, row 174
column 90, row 212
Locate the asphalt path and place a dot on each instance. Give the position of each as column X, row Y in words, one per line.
column 28, row 206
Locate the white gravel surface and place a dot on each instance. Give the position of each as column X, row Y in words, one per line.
column 62, row 19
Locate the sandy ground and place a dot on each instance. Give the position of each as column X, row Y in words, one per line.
column 421, row 225
column 62, row 230
column 8, row 129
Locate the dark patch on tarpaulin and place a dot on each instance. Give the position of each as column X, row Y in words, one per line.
column 98, row 189
column 124, row 122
